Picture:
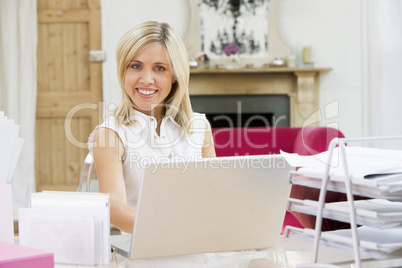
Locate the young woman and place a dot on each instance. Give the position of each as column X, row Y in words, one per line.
column 153, row 123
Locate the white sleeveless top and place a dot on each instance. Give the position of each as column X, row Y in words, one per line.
column 142, row 146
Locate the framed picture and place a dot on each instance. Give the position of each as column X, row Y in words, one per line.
column 247, row 28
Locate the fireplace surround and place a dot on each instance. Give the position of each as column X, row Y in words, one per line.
column 300, row 85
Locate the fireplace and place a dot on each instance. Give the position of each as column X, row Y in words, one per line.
column 225, row 111
column 298, row 87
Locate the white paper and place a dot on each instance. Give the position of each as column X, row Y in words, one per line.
column 362, row 187
column 95, row 205
column 387, row 239
column 6, row 213
column 375, row 208
column 8, row 139
column 11, row 147
column 70, row 238
column 373, row 242
column 15, row 154
column 69, row 199
column 296, row 160
column 361, row 162
column 378, row 213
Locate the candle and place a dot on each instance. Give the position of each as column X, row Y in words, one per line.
column 307, row 54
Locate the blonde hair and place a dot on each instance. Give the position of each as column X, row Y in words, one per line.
column 177, row 103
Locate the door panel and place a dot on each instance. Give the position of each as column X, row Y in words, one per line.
column 69, row 89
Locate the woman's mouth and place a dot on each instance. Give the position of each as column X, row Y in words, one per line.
column 146, row 92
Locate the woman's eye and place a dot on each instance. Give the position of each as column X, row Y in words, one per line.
column 135, row 66
column 160, row 68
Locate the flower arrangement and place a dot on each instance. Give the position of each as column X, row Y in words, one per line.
column 232, row 48
column 203, row 57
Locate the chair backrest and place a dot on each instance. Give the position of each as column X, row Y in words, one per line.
column 254, row 140
column 88, row 175
column 270, row 140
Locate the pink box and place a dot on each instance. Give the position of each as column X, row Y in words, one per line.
column 15, row 256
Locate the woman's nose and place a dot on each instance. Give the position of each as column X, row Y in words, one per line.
column 147, row 77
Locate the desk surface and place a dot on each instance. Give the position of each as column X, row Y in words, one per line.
column 292, row 252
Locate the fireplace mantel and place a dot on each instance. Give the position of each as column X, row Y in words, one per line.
column 300, row 84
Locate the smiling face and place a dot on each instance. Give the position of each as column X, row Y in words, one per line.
column 148, row 79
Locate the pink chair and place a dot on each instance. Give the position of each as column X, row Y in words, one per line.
column 270, row 140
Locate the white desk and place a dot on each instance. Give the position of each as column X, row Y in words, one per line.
column 294, row 252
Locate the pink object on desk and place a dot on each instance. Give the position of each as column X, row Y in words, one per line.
column 15, row 256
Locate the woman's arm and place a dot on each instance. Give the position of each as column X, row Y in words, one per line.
column 108, row 151
column 208, row 149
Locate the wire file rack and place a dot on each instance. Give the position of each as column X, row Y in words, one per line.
column 349, row 188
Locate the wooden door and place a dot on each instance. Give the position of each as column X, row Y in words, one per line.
column 69, row 89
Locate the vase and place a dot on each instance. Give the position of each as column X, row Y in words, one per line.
column 206, row 64
column 233, row 62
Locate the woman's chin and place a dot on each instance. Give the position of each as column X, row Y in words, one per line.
column 148, row 108
column 144, row 110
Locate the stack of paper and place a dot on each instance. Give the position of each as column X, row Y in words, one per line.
column 10, row 145
column 379, row 213
column 6, row 213
column 373, row 242
column 373, row 172
column 10, row 149
column 75, row 226
column 373, row 188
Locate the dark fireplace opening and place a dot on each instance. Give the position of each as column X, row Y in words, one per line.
column 244, row 110
column 230, row 120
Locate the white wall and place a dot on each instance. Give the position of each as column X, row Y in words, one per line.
column 332, row 27
column 121, row 15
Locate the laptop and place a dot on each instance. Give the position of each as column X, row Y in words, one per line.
column 214, row 205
